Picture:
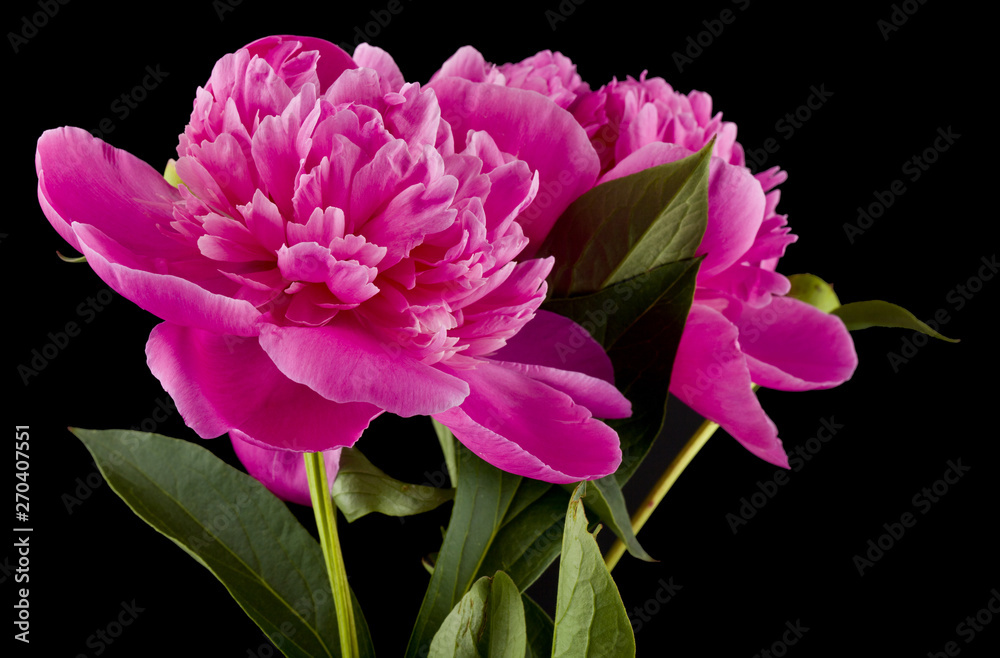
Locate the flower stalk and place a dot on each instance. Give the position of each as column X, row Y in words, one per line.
column 326, row 522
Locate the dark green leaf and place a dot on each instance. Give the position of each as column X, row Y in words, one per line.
column 529, row 542
column 590, row 616
column 232, row 525
column 876, row 313
column 527, row 493
column 604, row 497
column 361, row 488
column 616, row 310
column 482, row 498
column 643, row 359
column 631, row 225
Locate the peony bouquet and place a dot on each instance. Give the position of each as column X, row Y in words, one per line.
column 535, row 264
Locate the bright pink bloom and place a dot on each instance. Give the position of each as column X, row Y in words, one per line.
column 741, row 329
column 336, row 250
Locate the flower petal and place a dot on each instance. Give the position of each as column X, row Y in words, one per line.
column 601, row 398
column 793, row 346
column 167, row 296
column 83, row 179
column 281, row 471
column 226, row 383
column 345, row 363
column 710, row 375
column 525, row 427
column 373, row 57
column 469, row 64
column 532, row 128
column 332, row 60
column 555, row 341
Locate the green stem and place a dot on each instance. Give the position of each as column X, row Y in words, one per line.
column 662, row 486
column 326, row 522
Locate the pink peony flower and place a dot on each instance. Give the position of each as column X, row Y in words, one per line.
column 741, row 329
column 336, row 250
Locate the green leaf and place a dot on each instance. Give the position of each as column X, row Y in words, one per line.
column 539, row 629
column 488, row 622
column 530, row 542
column 461, row 629
column 360, row 488
column 631, row 225
column 505, row 635
column 482, row 498
column 590, row 616
column 876, row 313
column 643, row 358
column 604, row 497
column 237, row 529
column 612, row 312
column 814, row 291
column 528, row 492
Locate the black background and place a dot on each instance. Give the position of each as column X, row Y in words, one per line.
column 793, row 561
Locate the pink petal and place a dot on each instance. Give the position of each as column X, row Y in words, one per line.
column 469, row 64
column 281, row 471
column 83, row 179
column 344, row 362
column 226, row 383
column 793, row 346
column 523, row 426
column 555, row 341
column 167, row 296
column 601, row 398
column 416, row 119
column 755, row 285
column 532, row 128
column 412, row 214
column 710, row 375
column 277, row 160
column 373, row 57
column 332, row 59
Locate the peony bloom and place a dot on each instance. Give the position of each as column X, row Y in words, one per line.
column 741, row 327
column 336, row 250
